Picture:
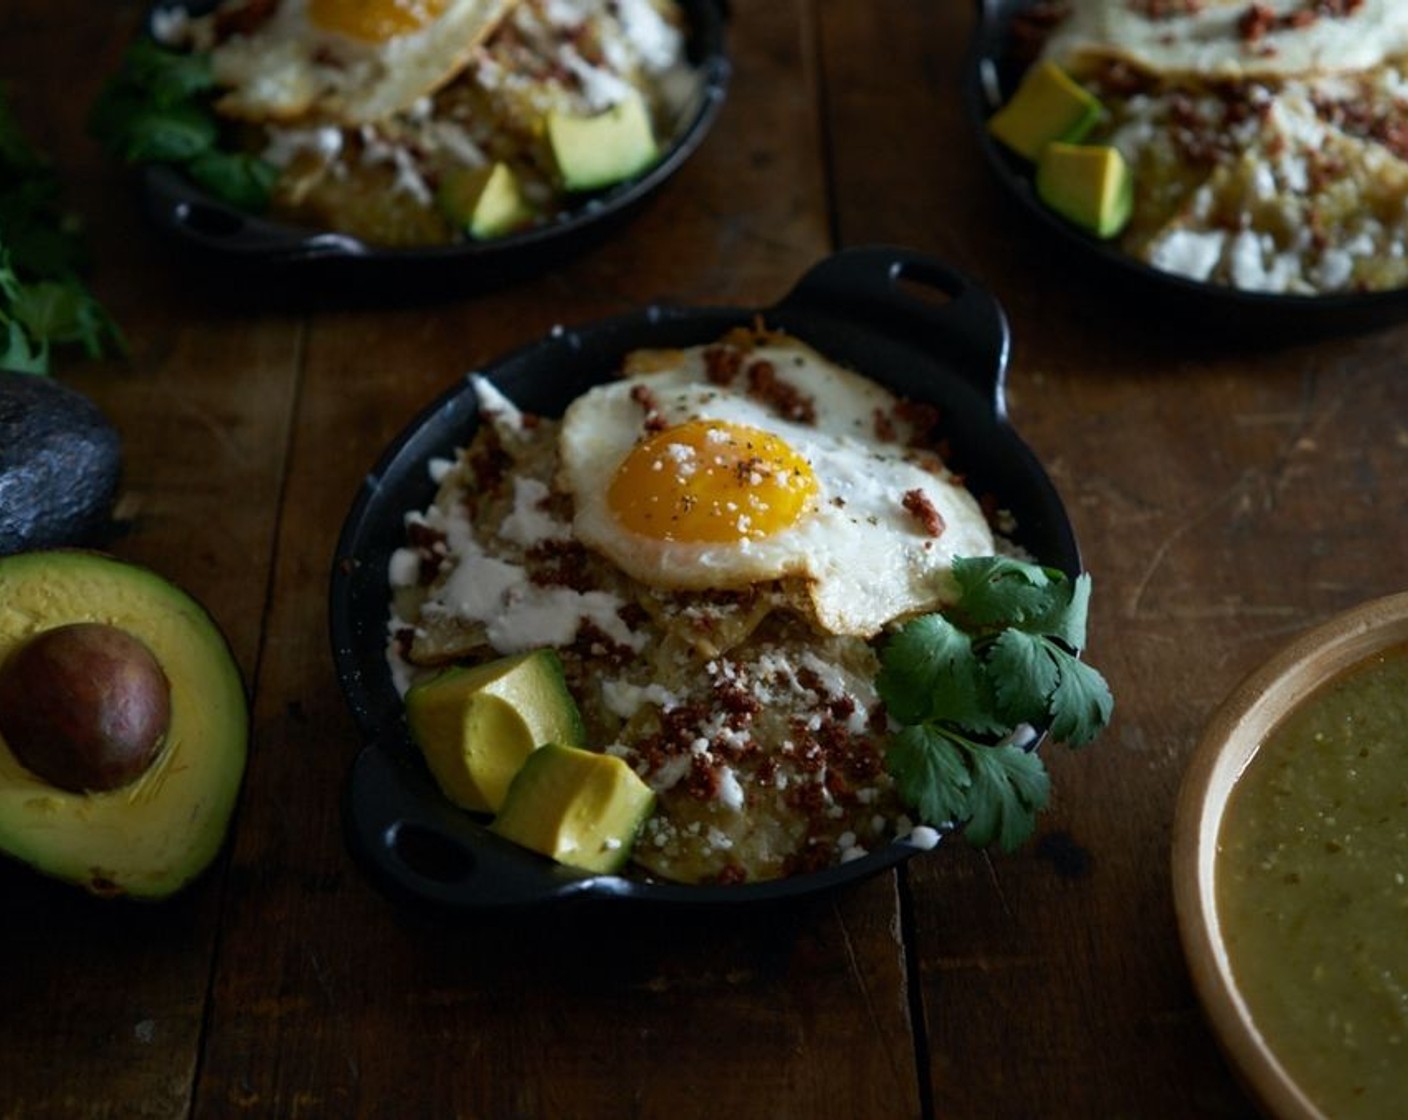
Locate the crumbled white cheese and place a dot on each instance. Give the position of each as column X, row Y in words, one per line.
column 408, row 179
column 1188, row 252
column 1258, row 267
column 403, row 569
column 170, row 26
column 286, row 144
column 718, row 840
column 625, row 699
column 730, row 790
column 924, row 837
column 438, row 468
column 658, row 44
column 601, row 88
column 1335, row 271
column 506, row 416
column 673, row 771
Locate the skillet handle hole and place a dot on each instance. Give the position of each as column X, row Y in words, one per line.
column 428, row 854
column 209, row 221
column 924, row 292
column 935, row 291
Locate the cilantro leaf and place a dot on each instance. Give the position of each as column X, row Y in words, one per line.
column 40, row 248
column 1001, row 591
column 9, row 281
column 1010, row 786
column 1081, row 704
column 929, row 671
column 170, row 77
column 20, row 355
column 1068, row 623
column 157, row 109
column 65, row 311
column 242, row 180
column 1004, row 655
column 43, row 300
column 1024, row 676
column 164, row 134
column 47, row 309
column 930, row 773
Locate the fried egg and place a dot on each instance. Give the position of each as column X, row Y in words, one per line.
column 348, row 61
column 1228, row 39
column 688, row 484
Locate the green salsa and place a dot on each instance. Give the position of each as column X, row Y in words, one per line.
column 1312, row 890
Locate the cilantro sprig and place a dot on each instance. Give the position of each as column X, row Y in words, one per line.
column 968, row 684
column 157, row 109
column 44, row 301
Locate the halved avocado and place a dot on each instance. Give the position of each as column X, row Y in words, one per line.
column 152, row 836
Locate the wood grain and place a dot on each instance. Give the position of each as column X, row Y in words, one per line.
column 1227, row 493
column 349, row 1008
column 104, row 1003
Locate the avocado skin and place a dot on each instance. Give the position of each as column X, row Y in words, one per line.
column 60, row 461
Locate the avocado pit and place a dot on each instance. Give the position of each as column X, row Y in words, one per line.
column 85, row 706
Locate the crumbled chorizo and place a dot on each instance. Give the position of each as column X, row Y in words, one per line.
column 722, row 364
column 917, row 504
column 783, row 397
column 650, row 405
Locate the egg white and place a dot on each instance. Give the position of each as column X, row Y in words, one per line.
column 865, row 558
column 1207, row 39
column 289, row 68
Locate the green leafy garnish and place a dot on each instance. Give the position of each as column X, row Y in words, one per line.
column 157, row 109
column 967, row 683
column 43, row 299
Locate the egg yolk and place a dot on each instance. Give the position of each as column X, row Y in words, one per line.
column 374, row 21
column 711, row 481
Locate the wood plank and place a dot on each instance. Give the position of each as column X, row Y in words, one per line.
column 105, row 1001
column 1225, row 497
column 330, row 1001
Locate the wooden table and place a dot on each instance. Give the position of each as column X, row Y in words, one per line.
column 1226, row 495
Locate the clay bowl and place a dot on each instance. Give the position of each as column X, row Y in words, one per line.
column 1230, row 740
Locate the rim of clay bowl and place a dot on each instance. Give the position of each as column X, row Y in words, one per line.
column 1230, row 739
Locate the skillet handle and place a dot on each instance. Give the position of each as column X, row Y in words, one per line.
column 932, row 306
column 421, row 849
column 178, row 208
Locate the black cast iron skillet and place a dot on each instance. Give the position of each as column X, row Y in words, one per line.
column 217, row 232
column 993, row 70
column 905, row 320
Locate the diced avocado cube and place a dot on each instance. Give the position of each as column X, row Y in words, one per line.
column 1090, row 185
column 579, row 807
column 1048, row 106
column 476, row 726
column 486, row 201
column 595, row 151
